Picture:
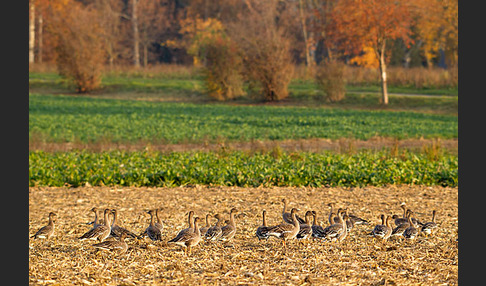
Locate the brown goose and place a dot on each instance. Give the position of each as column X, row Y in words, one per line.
column 357, row 220
column 96, row 221
column 287, row 217
column 190, row 222
column 158, row 223
column 214, row 232
column 411, row 232
column 404, row 219
column 188, row 239
column 118, row 246
column 398, row 231
column 336, row 231
column 228, row 231
column 332, row 213
column 399, row 220
column 305, row 229
column 352, row 218
column 349, row 221
column 116, row 230
column 262, row 231
column 383, row 230
column 152, row 231
column 317, row 230
column 189, row 229
column 48, row 230
column 430, row 226
column 286, row 231
column 206, row 226
column 101, row 232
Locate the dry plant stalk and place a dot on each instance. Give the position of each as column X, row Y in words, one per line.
column 359, row 259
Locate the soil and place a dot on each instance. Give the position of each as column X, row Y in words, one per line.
column 307, row 145
column 359, row 259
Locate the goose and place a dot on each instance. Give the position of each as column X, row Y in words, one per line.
column 352, row 218
column 158, row 223
column 332, row 213
column 430, row 226
column 357, row 220
column 190, row 221
column 336, row 231
column 349, row 221
column 118, row 246
column 286, row 231
column 96, row 221
column 228, row 231
column 116, row 231
column 317, row 230
column 101, row 232
column 206, row 227
column 46, row 231
column 214, row 232
column 404, row 219
column 384, row 229
column 152, row 231
column 399, row 220
column 188, row 239
column 410, row 232
column 398, row 231
column 305, row 229
column 287, row 217
column 262, row 231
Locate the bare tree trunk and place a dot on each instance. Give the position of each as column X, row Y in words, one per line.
column 145, row 55
column 408, row 54
column 31, row 32
column 110, row 53
column 40, row 43
column 384, row 88
column 304, row 31
column 136, row 36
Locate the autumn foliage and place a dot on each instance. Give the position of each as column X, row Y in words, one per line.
column 265, row 49
column 267, row 37
column 374, row 24
column 222, row 69
column 329, row 77
column 79, row 45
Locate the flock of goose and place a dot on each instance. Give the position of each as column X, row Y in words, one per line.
column 111, row 237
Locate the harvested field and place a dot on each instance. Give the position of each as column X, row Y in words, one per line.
column 358, row 260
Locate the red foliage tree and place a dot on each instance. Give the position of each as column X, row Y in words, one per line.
column 371, row 23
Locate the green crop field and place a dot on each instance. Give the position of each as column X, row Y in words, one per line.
column 64, row 118
column 236, row 168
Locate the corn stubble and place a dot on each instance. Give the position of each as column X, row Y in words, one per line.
column 359, row 259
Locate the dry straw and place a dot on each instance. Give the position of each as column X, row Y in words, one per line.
column 358, row 260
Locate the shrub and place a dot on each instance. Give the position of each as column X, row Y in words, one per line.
column 80, row 49
column 330, row 79
column 265, row 49
column 222, row 69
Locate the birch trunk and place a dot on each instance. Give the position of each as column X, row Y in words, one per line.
column 384, row 88
column 31, row 32
column 40, row 43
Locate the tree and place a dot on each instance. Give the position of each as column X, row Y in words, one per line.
column 135, row 35
column 357, row 24
column 111, row 24
column 31, row 30
column 152, row 19
column 79, row 46
column 265, row 48
column 437, row 28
